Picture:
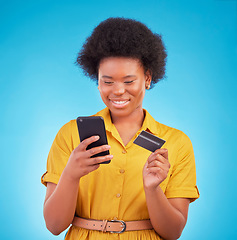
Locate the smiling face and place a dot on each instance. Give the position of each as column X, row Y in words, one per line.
column 122, row 84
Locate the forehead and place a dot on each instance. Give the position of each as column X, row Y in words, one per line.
column 120, row 65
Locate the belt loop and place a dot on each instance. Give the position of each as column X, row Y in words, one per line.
column 104, row 225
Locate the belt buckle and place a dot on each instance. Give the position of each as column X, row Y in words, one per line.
column 123, row 226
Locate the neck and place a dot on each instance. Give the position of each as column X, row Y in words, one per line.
column 136, row 118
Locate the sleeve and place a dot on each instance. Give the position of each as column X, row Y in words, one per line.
column 182, row 183
column 58, row 155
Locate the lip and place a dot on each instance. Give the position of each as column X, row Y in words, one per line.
column 119, row 103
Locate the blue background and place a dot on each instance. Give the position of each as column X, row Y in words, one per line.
column 42, row 89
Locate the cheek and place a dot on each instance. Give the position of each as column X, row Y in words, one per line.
column 138, row 92
column 103, row 93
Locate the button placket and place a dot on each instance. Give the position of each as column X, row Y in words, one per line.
column 120, row 177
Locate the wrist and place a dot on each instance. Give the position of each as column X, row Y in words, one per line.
column 152, row 190
column 150, row 187
column 69, row 177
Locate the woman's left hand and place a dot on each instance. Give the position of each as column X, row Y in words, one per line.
column 156, row 168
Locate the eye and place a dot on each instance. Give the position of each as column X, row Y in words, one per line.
column 108, row 82
column 129, row 82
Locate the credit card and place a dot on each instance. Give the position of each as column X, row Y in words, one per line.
column 149, row 141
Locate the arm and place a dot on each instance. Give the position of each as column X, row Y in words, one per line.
column 168, row 216
column 60, row 200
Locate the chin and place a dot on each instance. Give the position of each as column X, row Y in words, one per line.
column 121, row 113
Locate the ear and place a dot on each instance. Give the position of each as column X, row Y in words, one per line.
column 98, row 85
column 148, row 78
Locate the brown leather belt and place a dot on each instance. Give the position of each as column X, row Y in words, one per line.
column 113, row 226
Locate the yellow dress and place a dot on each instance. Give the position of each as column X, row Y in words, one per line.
column 115, row 190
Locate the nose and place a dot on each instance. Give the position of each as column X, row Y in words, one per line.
column 118, row 89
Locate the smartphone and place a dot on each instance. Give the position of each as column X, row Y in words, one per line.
column 91, row 126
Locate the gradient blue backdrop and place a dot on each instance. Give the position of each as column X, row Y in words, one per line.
column 41, row 89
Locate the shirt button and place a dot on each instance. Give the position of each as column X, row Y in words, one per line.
column 124, row 151
column 122, row 171
column 118, row 195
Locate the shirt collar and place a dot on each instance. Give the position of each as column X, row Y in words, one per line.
column 149, row 122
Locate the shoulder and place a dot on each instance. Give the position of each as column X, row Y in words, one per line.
column 67, row 128
column 173, row 136
column 179, row 144
column 163, row 129
column 68, row 135
column 160, row 129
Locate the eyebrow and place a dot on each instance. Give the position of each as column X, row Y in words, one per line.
column 105, row 76
column 128, row 76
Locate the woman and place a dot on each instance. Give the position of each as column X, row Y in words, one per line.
column 139, row 194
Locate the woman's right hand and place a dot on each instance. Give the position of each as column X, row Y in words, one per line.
column 80, row 162
column 58, row 209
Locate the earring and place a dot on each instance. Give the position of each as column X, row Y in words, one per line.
column 148, row 87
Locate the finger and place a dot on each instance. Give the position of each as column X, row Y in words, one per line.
column 154, row 163
column 98, row 160
column 84, row 144
column 151, row 158
column 157, row 164
column 157, row 157
column 96, row 150
column 91, row 169
column 163, row 152
column 154, row 169
column 158, row 171
column 159, row 161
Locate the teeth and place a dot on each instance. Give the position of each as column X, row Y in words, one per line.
column 119, row 102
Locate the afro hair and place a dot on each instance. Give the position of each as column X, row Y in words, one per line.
column 122, row 37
